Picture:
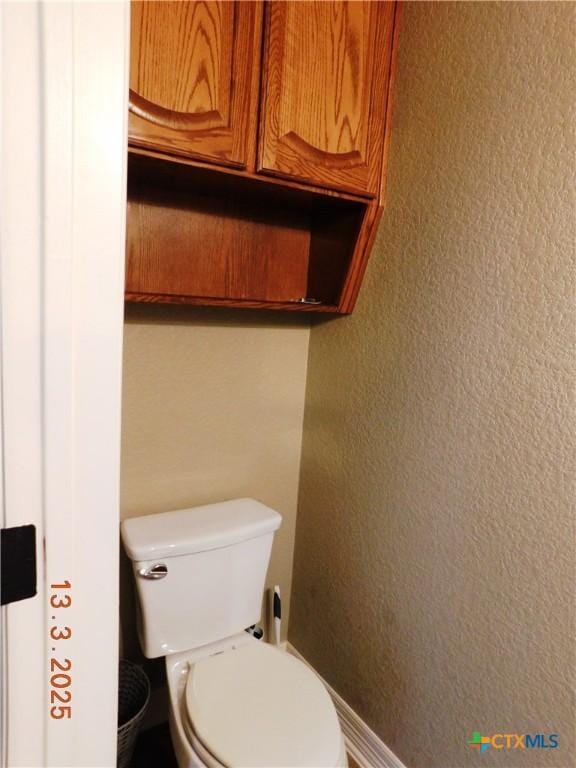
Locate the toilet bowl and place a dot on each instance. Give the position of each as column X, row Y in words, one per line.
column 248, row 704
column 235, row 701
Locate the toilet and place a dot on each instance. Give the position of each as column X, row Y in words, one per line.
column 235, row 701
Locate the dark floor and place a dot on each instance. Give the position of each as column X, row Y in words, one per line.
column 154, row 749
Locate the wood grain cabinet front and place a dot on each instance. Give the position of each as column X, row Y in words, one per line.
column 194, row 78
column 324, row 92
column 256, row 185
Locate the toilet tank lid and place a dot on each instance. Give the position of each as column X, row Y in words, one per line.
column 197, row 529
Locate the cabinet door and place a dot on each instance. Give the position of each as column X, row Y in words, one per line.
column 194, row 72
column 325, row 88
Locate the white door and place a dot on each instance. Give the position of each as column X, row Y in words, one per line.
column 63, row 101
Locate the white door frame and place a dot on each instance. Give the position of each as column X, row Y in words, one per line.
column 63, row 101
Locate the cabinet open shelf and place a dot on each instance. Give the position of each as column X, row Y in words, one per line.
column 201, row 236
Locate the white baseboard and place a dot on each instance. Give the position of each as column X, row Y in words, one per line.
column 361, row 742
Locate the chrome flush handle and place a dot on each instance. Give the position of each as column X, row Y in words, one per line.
column 156, row 571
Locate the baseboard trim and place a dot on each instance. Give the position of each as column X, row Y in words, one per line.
column 361, row 742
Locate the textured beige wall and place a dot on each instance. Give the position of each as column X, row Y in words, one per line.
column 434, row 570
column 212, row 409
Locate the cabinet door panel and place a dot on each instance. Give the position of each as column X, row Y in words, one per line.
column 194, row 72
column 324, row 92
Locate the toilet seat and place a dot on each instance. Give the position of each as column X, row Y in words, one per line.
column 257, row 706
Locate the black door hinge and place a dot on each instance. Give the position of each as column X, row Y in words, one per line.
column 17, row 563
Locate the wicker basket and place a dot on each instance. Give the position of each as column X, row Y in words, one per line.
column 133, row 697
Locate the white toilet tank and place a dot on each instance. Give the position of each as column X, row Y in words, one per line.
column 199, row 572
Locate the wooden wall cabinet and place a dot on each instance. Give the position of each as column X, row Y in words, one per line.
column 324, row 92
column 194, row 78
column 256, row 186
